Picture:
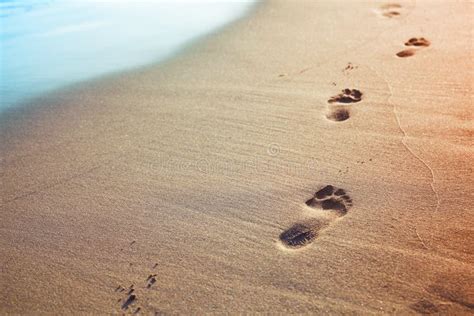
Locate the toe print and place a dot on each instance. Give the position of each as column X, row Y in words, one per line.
column 331, row 198
column 347, row 96
column 414, row 41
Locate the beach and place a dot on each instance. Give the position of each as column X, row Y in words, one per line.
column 290, row 163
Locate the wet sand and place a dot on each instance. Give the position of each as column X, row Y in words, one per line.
column 295, row 162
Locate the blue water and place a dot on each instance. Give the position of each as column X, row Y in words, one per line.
column 46, row 44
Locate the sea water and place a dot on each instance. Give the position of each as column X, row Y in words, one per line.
column 47, row 44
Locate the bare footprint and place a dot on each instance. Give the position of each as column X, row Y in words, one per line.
column 301, row 234
column 338, row 114
column 331, row 198
column 347, row 96
column 304, row 233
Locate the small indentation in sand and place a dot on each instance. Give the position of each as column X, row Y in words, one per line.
column 424, row 307
column 406, row 53
column 300, row 234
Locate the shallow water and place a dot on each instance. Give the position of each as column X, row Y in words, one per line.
column 46, row 44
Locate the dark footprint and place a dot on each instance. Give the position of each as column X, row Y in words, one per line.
column 347, row 96
column 406, row 53
column 331, row 198
column 132, row 298
column 338, row 115
column 421, row 41
column 301, row 234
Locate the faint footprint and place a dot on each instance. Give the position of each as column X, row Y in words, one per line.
column 414, row 41
column 390, row 10
column 330, row 198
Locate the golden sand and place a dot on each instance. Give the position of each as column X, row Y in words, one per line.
column 188, row 180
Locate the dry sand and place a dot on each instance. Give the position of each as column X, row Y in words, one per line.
column 192, row 169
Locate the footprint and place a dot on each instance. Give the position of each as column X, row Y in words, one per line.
column 347, row 96
column 331, row 198
column 301, row 234
column 390, row 10
column 129, row 301
column 416, row 42
column 338, row 114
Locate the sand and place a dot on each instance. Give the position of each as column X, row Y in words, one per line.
column 188, row 179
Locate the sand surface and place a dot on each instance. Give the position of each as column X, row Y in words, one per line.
column 192, row 170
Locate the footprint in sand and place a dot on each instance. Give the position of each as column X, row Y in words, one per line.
column 329, row 198
column 339, row 112
column 415, row 42
column 390, row 10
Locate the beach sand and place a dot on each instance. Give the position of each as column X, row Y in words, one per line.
column 188, row 179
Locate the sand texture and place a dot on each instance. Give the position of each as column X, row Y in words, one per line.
column 314, row 157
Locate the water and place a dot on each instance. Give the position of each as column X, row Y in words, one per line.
column 46, row 44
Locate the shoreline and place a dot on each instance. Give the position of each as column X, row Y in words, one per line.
column 199, row 171
column 159, row 62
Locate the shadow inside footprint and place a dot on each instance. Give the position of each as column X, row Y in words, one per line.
column 129, row 301
column 324, row 192
column 418, row 41
column 331, row 198
column 347, row 96
column 300, row 234
column 338, row 115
